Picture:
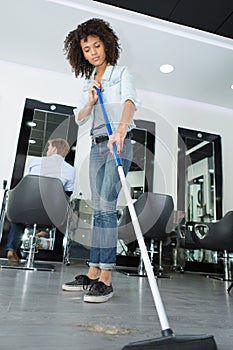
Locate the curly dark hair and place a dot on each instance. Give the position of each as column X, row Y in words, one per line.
column 72, row 48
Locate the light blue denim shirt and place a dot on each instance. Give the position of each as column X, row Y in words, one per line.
column 117, row 87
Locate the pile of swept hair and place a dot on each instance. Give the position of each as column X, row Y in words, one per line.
column 72, row 48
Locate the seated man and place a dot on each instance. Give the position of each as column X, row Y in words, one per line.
column 53, row 165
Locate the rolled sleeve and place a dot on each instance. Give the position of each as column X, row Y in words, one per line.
column 83, row 121
column 82, row 101
column 128, row 91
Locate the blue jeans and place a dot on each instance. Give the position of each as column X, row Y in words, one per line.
column 105, row 187
column 15, row 236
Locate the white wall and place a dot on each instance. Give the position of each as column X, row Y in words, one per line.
column 172, row 113
column 19, row 82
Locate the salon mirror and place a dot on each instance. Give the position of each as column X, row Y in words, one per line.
column 199, row 175
column 199, row 180
column 42, row 121
column 139, row 178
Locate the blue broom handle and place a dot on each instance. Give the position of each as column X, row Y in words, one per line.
column 108, row 126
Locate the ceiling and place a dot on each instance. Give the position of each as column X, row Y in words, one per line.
column 33, row 32
column 212, row 16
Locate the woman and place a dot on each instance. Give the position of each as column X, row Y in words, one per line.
column 93, row 51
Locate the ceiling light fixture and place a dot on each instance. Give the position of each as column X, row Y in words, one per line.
column 232, row 86
column 166, row 68
column 31, row 124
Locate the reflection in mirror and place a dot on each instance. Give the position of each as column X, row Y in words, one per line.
column 199, row 182
column 44, row 126
column 199, row 175
column 40, row 122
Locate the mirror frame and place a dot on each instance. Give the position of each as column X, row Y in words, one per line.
column 181, row 176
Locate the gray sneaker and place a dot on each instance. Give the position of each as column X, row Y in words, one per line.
column 98, row 293
column 81, row 283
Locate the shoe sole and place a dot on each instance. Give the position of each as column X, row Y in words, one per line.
column 97, row 299
column 73, row 289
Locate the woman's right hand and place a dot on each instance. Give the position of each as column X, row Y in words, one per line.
column 93, row 97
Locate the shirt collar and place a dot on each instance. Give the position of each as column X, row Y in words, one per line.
column 107, row 73
column 56, row 156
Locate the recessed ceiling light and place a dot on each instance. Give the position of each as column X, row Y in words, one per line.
column 32, row 141
column 232, row 86
column 31, row 124
column 166, row 68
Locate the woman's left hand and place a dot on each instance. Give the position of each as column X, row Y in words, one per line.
column 118, row 138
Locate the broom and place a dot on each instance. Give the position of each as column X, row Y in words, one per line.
column 168, row 341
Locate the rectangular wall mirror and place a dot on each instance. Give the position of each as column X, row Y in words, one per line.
column 199, row 175
column 199, row 182
column 40, row 122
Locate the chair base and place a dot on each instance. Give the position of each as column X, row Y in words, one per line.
column 140, row 272
column 220, row 278
column 131, row 272
column 33, row 267
column 226, row 276
column 162, row 275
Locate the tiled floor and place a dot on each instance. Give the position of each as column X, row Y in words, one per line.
column 37, row 314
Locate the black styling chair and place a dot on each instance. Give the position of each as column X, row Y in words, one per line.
column 38, row 201
column 217, row 236
column 155, row 214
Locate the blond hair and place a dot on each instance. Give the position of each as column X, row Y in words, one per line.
column 61, row 145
